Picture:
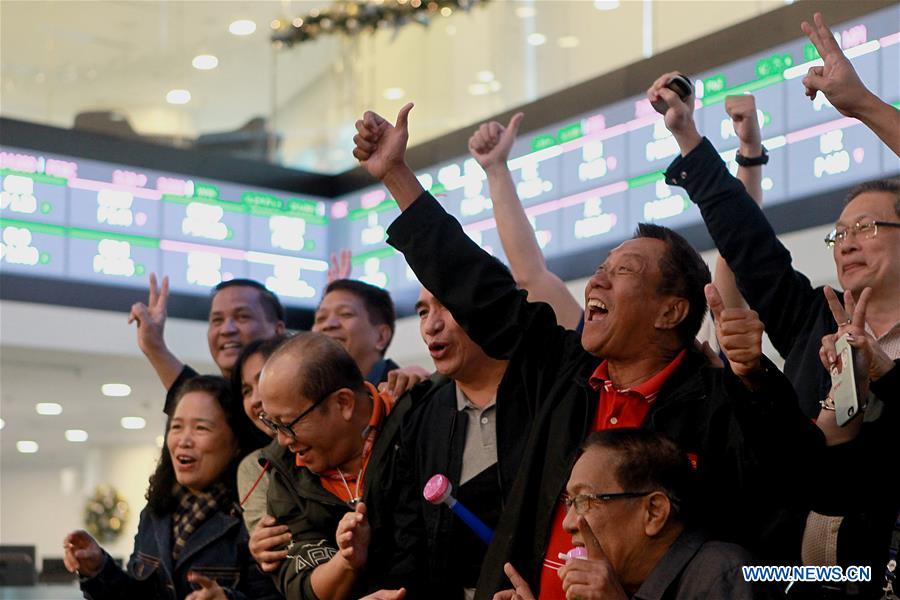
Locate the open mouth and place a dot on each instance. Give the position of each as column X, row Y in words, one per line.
column 184, row 461
column 437, row 350
column 230, row 346
column 596, row 309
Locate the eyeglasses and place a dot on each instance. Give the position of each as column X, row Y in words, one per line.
column 582, row 502
column 866, row 229
column 288, row 428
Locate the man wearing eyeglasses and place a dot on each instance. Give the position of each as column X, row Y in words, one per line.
column 856, row 505
column 865, row 243
column 331, row 468
column 628, row 504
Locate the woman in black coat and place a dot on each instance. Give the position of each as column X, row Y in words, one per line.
column 191, row 542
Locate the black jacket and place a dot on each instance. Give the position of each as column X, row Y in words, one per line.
column 217, row 549
column 297, row 499
column 746, row 443
column 433, row 441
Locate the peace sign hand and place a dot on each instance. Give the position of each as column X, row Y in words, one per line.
column 836, row 78
column 851, row 320
column 151, row 317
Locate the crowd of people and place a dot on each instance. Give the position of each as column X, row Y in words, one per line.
column 605, row 449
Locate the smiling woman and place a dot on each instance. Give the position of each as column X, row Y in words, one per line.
column 190, row 518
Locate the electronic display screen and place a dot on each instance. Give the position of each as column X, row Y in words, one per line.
column 103, row 223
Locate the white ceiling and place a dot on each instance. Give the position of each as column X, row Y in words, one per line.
column 60, row 58
column 73, row 380
column 64, row 355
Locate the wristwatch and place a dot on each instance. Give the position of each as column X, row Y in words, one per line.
column 752, row 161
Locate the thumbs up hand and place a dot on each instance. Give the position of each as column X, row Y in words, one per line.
column 381, row 146
column 740, row 334
column 491, row 142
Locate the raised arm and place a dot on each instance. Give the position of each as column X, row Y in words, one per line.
column 151, row 324
column 489, row 146
column 838, row 80
column 742, row 110
column 381, row 150
column 762, row 265
column 478, row 290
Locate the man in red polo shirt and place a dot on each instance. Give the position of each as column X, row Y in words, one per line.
column 740, row 335
column 643, row 308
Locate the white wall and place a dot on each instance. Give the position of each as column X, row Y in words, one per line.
column 40, row 506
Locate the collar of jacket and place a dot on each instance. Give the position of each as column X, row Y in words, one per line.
column 218, row 525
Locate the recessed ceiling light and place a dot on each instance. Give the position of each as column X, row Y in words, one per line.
column 76, row 435
column 568, row 41
column 479, row 89
column 133, row 422
column 27, row 446
column 48, row 408
column 525, row 12
column 537, row 39
column 178, row 97
column 606, row 4
column 205, row 62
column 275, row 24
column 242, row 27
column 394, row 93
column 116, row 390
column 446, row 11
column 160, row 440
column 485, row 76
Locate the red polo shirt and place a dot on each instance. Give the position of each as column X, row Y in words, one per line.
column 616, row 408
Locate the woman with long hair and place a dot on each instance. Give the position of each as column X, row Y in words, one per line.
column 252, row 476
column 191, row 542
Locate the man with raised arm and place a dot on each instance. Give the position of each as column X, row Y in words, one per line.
column 489, row 146
column 865, row 242
column 241, row 310
column 634, row 365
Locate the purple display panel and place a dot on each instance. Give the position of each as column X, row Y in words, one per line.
column 196, row 268
column 112, row 260
column 32, row 197
column 32, row 250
